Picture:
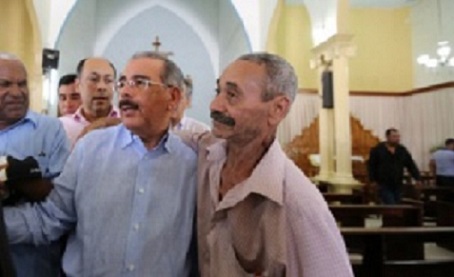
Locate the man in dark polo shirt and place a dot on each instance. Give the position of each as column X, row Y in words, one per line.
column 387, row 161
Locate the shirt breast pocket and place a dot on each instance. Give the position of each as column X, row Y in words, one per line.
column 43, row 162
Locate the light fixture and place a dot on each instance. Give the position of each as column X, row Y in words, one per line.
column 443, row 57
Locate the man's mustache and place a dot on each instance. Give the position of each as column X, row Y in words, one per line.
column 127, row 103
column 222, row 118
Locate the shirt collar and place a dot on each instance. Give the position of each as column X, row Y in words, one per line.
column 30, row 116
column 266, row 179
column 78, row 116
column 179, row 125
column 127, row 138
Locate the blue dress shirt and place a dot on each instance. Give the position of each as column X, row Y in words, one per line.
column 130, row 210
column 43, row 138
column 444, row 161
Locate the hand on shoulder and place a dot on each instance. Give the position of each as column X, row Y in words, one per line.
column 100, row 124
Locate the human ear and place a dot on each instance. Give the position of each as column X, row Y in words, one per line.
column 279, row 108
column 175, row 98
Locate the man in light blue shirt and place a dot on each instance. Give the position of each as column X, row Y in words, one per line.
column 23, row 134
column 127, row 193
column 442, row 164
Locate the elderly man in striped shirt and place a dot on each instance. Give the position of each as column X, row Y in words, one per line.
column 258, row 214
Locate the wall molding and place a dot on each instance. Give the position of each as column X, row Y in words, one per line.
column 427, row 89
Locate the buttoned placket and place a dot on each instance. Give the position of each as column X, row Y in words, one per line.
column 140, row 201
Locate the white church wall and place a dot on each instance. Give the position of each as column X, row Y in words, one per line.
column 201, row 33
column 51, row 16
column 424, row 120
column 189, row 52
column 249, row 12
column 233, row 40
column 77, row 37
column 200, row 15
column 323, row 14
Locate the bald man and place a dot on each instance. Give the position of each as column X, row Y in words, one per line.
column 95, row 82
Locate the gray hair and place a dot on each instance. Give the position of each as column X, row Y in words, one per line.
column 281, row 78
column 171, row 73
column 6, row 56
column 188, row 87
column 9, row 57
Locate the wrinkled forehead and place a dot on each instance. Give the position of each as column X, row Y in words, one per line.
column 243, row 73
column 12, row 69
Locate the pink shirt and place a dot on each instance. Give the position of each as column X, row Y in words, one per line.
column 275, row 223
column 75, row 123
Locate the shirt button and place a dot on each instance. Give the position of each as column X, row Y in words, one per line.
column 136, row 227
column 141, row 190
column 131, row 267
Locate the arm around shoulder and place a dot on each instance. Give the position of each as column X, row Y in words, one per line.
column 195, row 140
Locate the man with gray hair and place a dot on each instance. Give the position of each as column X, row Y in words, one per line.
column 182, row 122
column 257, row 213
column 33, row 151
column 126, row 216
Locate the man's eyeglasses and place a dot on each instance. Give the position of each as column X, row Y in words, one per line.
column 141, row 84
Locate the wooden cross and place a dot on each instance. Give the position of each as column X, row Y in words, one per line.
column 156, row 44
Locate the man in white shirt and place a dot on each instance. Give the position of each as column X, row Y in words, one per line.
column 182, row 122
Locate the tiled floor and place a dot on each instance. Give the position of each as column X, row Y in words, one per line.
column 433, row 252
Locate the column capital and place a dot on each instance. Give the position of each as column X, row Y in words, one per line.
column 337, row 46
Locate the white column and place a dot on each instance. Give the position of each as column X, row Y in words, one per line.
column 335, row 133
column 326, row 136
column 343, row 177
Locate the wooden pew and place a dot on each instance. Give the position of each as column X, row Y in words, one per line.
column 445, row 217
column 377, row 263
column 429, row 195
column 391, row 215
column 323, row 186
column 354, row 198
